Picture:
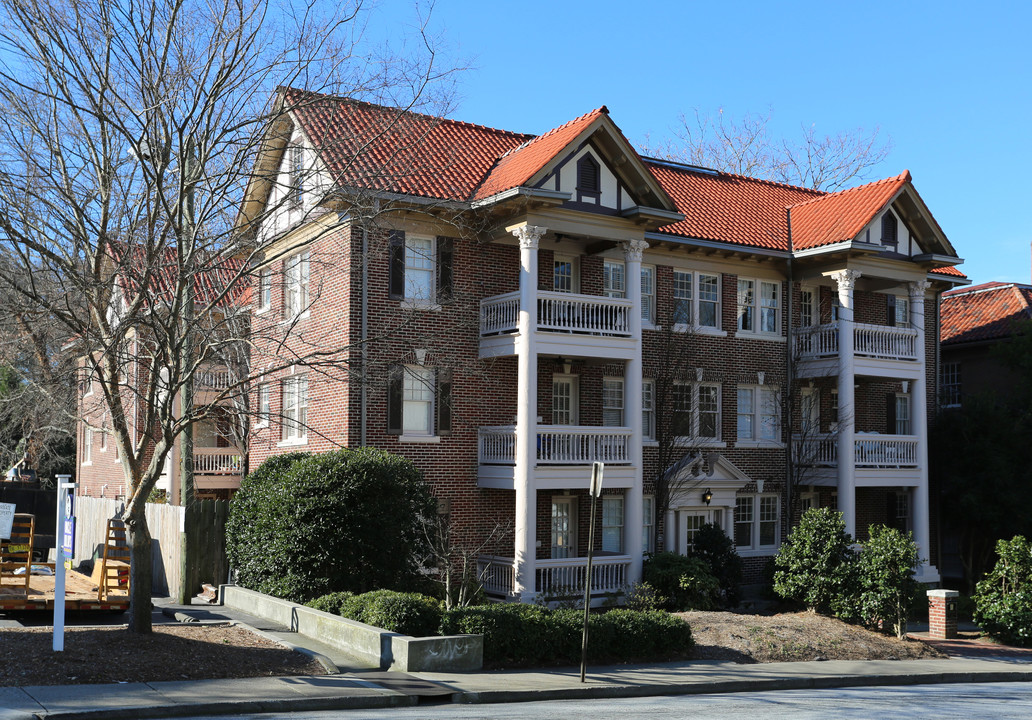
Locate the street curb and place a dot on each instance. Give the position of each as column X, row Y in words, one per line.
column 738, row 686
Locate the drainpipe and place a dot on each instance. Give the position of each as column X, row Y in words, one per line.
column 789, row 390
column 363, row 393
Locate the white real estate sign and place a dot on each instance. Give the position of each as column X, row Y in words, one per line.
column 6, row 520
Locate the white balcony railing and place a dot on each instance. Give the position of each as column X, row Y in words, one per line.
column 217, row 461
column 559, row 312
column 877, row 341
column 558, row 445
column 556, row 577
column 879, row 451
column 215, row 379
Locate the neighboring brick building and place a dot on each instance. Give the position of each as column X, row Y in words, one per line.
column 974, row 320
column 514, row 307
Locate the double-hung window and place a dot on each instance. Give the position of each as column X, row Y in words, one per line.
column 696, row 411
column 264, row 405
column 758, row 416
column 951, row 384
column 756, row 522
column 295, row 409
column 898, row 311
column 648, row 409
column 564, row 274
column 295, row 288
column 612, row 402
column 87, row 446
column 902, row 401
column 264, row 289
column 614, row 279
column 648, row 294
column 297, row 175
column 612, row 524
column 419, row 401
column 809, row 314
column 696, row 300
column 420, row 268
column 648, row 514
column 759, row 306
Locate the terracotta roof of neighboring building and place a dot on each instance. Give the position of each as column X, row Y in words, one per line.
column 984, row 312
column 162, row 276
column 728, row 208
column 839, row 217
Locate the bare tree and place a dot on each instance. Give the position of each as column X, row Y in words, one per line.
column 127, row 138
column 747, row 146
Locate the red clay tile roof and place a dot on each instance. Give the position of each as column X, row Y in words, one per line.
column 161, row 276
column 984, row 312
column 839, row 217
column 729, row 208
column 379, row 148
column 948, row 270
column 520, row 165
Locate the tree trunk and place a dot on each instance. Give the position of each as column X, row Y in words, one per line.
column 140, row 573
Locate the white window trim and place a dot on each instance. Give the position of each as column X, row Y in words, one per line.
column 427, row 303
column 906, row 408
column 571, row 503
column 951, row 384
column 694, row 439
column 695, row 328
column 609, row 500
column 301, row 264
column 902, row 301
column 757, row 306
column 294, row 431
column 610, row 291
column 648, row 395
column 263, row 414
column 264, row 282
column 814, row 305
column 648, row 323
column 427, row 378
column 574, row 398
column 574, row 261
column 648, row 522
column 754, row 549
column 623, row 401
column 87, row 446
column 760, row 392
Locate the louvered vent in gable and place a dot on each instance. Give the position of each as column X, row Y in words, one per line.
column 589, row 178
column 889, row 228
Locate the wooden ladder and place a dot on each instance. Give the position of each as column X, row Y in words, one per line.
column 16, row 553
column 114, row 563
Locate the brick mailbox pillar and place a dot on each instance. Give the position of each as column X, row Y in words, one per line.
column 942, row 614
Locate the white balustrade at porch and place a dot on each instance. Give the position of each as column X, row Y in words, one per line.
column 556, row 577
column 558, row 445
column 559, row 312
column 877, row 341
column 217, row 461
column 871, row 450
column 214, row 379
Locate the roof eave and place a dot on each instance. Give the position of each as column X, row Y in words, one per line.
column 555, row 196
column 715, row 244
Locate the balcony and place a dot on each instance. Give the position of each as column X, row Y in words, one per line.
column 877, row 350
column 212, row 379
column 557, row 578
column 879, row 458
column 563, row 454
column 567, row 324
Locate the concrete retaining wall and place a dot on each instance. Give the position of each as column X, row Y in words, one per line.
column 451, row 653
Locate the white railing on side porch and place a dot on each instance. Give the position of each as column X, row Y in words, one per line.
column 556, row 577
column 871, row 450
column 212, row 379
column 217, row 461
column 559, row 312
column 558, row 445
column 878, row 341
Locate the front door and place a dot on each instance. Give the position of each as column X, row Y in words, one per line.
column 689, row 522
column 563, row 531
column 564, row 399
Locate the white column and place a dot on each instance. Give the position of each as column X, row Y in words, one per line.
column 846, row 280
column 633, row 505
column 919, row 422
column 525, row 551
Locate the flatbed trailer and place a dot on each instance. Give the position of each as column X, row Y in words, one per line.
column 80, row 594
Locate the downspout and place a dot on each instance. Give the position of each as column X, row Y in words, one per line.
column 363, row 393
column 789, row 390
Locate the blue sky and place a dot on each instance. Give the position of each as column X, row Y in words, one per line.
column 950, row 83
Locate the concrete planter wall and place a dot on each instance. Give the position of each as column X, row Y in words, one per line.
column 391, row 651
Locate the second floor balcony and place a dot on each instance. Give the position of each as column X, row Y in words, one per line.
column 877, row 350
column 871, row 450
column 567, row 324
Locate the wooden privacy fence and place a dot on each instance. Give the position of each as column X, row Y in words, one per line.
column 166, row 523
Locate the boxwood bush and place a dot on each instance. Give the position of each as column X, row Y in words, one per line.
column 1003, row 599
column 685, row 582
column 530, row 635
column 405, row 613
column 303, row 525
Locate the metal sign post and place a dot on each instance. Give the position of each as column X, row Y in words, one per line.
column 595, row 490
column 65, row 550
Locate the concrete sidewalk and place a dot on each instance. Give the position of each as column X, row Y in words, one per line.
column 357, row 687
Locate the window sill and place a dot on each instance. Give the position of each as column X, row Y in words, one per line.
column 699, row 330
column 758, row 552
column 292, row 443
column 420, row 305
column 768, row 444
column 426, row 439
column 747, row 335
column 650, row 443
column 86, row 463
column 697, row 442
column 263, row 310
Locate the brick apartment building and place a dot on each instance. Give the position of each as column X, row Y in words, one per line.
column 516, row 307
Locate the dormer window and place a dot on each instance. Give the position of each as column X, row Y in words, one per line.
column 589, row 176
column 888, row 230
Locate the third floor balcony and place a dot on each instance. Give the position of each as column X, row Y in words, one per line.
column 879, row 350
